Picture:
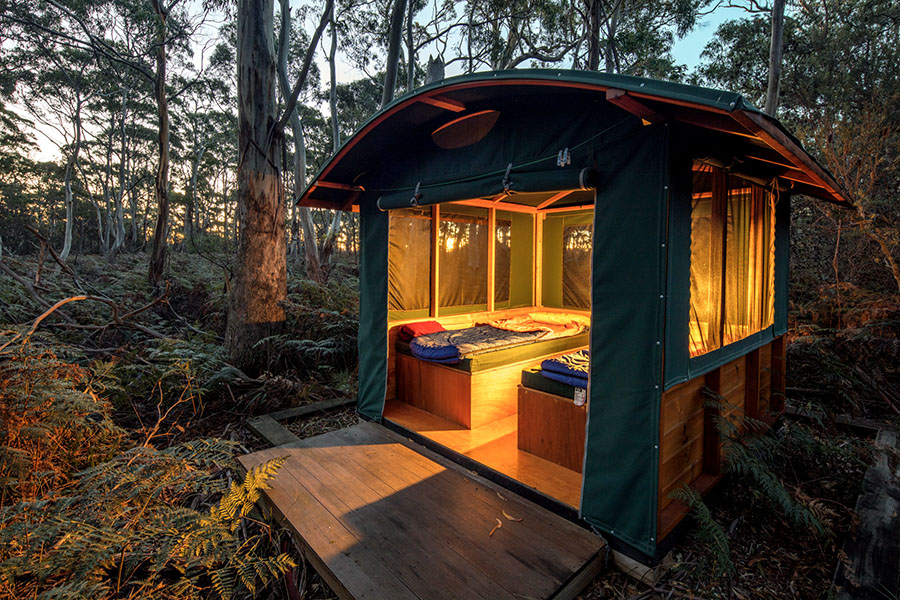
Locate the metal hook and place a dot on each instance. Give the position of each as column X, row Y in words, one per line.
column 506, row 181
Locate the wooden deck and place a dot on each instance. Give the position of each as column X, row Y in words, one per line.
column 380, row 519
column 494, row 445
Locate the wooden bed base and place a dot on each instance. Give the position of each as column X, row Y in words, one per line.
column 552, row 427
column 468, row 399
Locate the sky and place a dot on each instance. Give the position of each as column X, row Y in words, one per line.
column 686, row 51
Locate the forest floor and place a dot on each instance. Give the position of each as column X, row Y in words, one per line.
column 786, row 511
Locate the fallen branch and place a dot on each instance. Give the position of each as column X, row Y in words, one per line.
column 116, row 318
column 30, row 288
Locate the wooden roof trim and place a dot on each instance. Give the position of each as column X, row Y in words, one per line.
column 336, row 186
column 443, row 91
column 789, row 149
column 684, row 117
column 627, row 102
column 756, row 124
column 442, row 102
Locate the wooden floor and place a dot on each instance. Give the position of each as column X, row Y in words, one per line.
column 380, row 519
column 494, row 445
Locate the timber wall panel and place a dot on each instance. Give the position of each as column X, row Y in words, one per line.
column 689, row 453
column 681, row 437
column 765, row 379
column 552, row 427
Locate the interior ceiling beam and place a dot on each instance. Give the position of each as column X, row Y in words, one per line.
column 627, row 102
column 443, row 102
column 554, row 198
column 480, row 202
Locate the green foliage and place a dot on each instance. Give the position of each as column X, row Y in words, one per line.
column 128, row 529
column 52, row 423
column 86, row 514
column 710, row 533
column 747, row 460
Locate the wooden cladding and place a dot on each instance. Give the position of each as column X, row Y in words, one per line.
column 695, row 413
column 552, row 427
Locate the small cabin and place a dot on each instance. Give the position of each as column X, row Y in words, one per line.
column 630, row 236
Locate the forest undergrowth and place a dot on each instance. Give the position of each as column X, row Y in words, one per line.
column 120, row 421
column 132, row 383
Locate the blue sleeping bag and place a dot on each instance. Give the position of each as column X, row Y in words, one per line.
column 448, row 347
column 571, row 369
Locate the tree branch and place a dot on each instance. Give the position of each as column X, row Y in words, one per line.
column 291, row 101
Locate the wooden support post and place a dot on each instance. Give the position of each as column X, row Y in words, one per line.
column 712, row 443
column 751, row 385
column 435, row 250
column 492, row 249
column 779, row 370
column 538, row 258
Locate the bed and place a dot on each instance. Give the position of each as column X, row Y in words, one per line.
column 470, row 376
column 552, row 414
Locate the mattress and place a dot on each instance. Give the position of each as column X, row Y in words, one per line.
column 570, row 368
column 485, row 360
column 532, row 378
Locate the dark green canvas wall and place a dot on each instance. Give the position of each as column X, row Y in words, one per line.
column 628, row 285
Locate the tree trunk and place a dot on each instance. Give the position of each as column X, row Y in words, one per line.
column 611, row 30
column 335, row 228
column 310, row 243
column 69, row 199
column 260, row 281
column 107, row 190
column 191, row 208
column 119, row 215
column 410, row 48
column 390, row 70
column 592, row 8
column 776, row 47
column 160, row 232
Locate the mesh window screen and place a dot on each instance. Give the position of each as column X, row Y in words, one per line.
column 738, row 292
column 462, row 256
column 576, row 271
column 502, row 258
column 732, row 260
column 409, row 259
column 704, row 283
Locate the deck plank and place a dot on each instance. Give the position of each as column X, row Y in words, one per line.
column 453, row 509
column 564, row 539
column 385, row 521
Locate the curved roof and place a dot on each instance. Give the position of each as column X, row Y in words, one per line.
column 731, row 131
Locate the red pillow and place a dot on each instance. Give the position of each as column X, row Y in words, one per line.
column 411, row 330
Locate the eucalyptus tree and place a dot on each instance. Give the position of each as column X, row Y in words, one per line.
column 162, row 29
column 838, row 90
column 55, row 92
column 260, row 281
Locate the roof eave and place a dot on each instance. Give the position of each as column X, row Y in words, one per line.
column 749, row 123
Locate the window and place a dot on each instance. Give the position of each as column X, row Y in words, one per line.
column 502, row 258
column 732, row 259
column 409, row 262
column 462, row 256
column 458, row 248
column 576, row 267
